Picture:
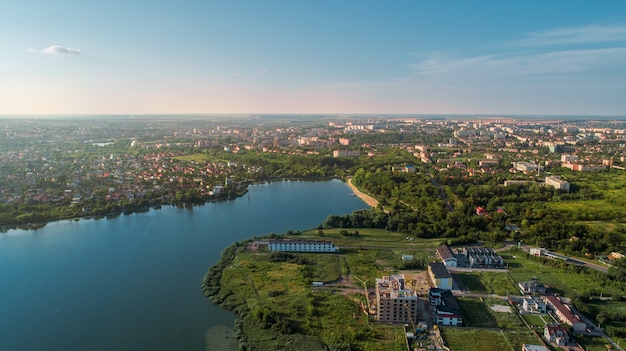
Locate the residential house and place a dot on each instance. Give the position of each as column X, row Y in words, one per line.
column 447, row 310
column 446, row 256
column 565, row 314
column 532, row 287
column 480, row 211
column 556, row 335
column 483, row 257
column 537, row 251
column 529, row 347
column 533, row 304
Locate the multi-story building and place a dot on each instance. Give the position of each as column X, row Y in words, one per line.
column 302, row 246
column 558, row 183
column 394, row 303
column 447, row 310
column 483, row 257
column 346, row 153
column 533, row 304
column 526, row 166
column 569, row 158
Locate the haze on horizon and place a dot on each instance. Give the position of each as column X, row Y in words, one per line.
column 557, row 57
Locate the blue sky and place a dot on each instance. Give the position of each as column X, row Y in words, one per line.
column 322, row 56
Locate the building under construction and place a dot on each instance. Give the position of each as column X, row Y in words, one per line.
column 394, row 303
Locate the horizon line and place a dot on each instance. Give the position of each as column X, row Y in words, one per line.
column 526, row 115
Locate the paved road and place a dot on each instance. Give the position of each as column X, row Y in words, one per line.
column 572, row 260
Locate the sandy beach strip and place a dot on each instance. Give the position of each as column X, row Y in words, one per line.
column 370, row 201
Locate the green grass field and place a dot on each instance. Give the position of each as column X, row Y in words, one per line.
column 465, row 339
column 327, row 315
column 478, row 313
column 522, row 268
column 589, row 208
column 592, row 343
column 612, row 186
column 487, row 282
column 536, row 321
column 285, row 288
column 375, row 238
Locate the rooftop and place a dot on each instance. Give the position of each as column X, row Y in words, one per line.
column 563, row 309
column 287, row 241
column 439, row 270
column 444, row 252
column 392, row 287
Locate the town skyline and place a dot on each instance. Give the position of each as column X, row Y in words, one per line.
column 555, row 58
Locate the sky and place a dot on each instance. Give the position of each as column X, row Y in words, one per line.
column 534, row 57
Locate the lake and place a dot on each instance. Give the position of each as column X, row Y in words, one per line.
column 133, row 282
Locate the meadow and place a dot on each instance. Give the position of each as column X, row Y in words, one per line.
column 497, row 283
column 566, row 281
column 277, row 292
column 478, row 313
column 486, row 339
column 275, row 297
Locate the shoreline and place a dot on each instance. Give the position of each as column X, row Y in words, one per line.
column 4, row 228
column 370, row 201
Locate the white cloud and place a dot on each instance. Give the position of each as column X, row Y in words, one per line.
column 521, row 65
column 575, row 35
column 263, row 71
column 59, row 50
column 591, row 49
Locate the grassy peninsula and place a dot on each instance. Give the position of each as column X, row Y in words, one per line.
column 280, row 310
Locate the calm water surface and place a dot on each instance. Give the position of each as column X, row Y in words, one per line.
column 133, row 282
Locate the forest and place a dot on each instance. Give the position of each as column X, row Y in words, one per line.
column 427, row 205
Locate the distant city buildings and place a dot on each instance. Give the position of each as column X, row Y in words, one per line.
column 527, row 167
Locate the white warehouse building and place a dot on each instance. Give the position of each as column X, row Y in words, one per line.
column 302, row 246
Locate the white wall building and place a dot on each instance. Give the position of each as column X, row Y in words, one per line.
column 558, row 183
column 346, row 153
column 302, row 246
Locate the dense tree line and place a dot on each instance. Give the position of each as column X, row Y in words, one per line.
column 413, row 204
